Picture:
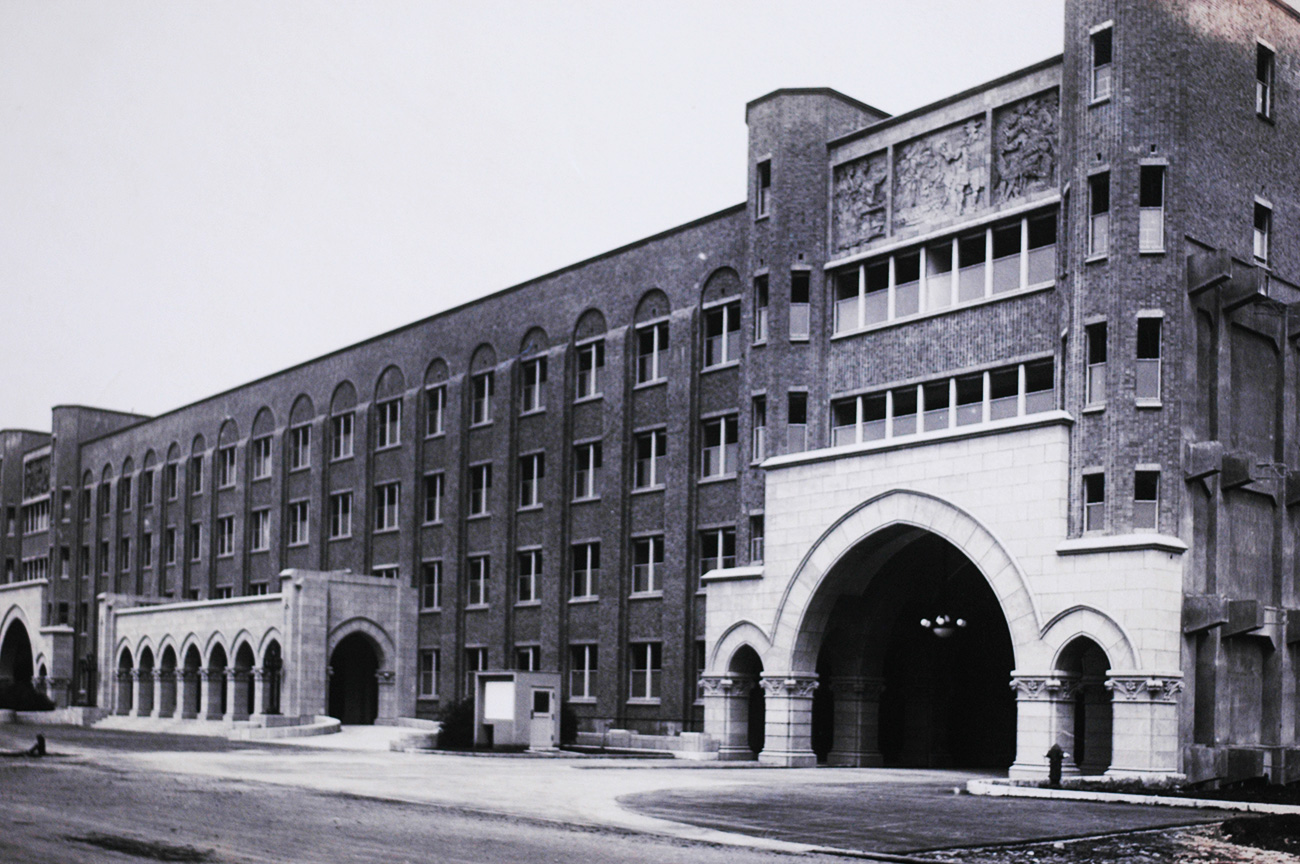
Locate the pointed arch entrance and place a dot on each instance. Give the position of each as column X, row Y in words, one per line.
column 354, row 682
column 16, row 667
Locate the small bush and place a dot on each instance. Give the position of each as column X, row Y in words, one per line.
column 457, row 726
column 568, row 725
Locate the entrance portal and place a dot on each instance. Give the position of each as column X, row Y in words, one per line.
column 354, row 686
column 916, row 659
column 16, row 689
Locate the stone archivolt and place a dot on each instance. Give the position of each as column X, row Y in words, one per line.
column 1024, row 147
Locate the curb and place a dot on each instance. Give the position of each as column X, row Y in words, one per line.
column 998, row 789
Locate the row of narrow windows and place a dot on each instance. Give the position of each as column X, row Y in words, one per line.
column 1146, row 500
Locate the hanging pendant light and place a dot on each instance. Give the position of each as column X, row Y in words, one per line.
column 943, row 625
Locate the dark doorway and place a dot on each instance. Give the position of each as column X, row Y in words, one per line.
column 354, row 688
column 16, row 689
column 747, row 667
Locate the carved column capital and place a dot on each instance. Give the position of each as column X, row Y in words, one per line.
column 259, row 674
column 1040, row 688
column 790, row 686
column 1145, row 688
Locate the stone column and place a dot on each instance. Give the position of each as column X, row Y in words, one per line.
column 209, row 700
column 1044, row 716
column 726, row 714
column 857, row 722
column 259, row 691
column 191, row 693
column 159, row 678
column 237, row 684
column 1144, row 709
column 137, row 692
column 387, row 708
column 125, row 694
column 788, row 739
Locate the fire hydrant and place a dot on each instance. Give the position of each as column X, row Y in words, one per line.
column 1055, row 756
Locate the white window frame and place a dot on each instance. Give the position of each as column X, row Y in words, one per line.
column 720, row 459
column 1095, row 385
column 480, row 488
column 439, row 483
column 1264, row 86
column 225, row 536
column 1101, row 75
column 647, row 564
column 718, row 349
column 1262, row 231
column 645, row 671
column 1151, row 217
column 1094, row 511
column 299, row 523
column 647, row 471
column 758, row 430
column 300, row 447
column 481, row 399
column 588, row 459
column 435, row 409
column 388, row 503
column 762, row 303
column 227, row 469
column 1152, row 364
column 262, row 457
column 195, row 538
column 533, row 655
column 757, row 533
column 340, row 514
column 718, row 538
column 800, row 322
column 585, row 584
column 430, row 586
column 651, row 365
column 477, row 586
column 259, row 530
column 388, row 424
column 584, row 658
column 532, row 470
column 342, row 429
column 529, row 564
column 428, row 673
column 589, row 362
column 763, row 187
column 532, row 392
column 1098, row 219
column 1146, row 505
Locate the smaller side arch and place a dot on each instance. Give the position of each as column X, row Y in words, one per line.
column 214, row 641
column 739, row 634
column 272, row 635
column 383, row 642
column 1091, row 623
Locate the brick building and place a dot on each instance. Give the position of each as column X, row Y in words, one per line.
column 998, row 390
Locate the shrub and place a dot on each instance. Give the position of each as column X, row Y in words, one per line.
column 457, row 726
column 568, row 725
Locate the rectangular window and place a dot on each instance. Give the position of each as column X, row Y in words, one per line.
column 1094, row 502
column 1146, row 500
column 534, row 376
column 298, row 525
column 764, row 185
column 171, row 545
column 1148, row 359
column 935, row 397
column 480, row 486
column 196, row 476
column 431, row 585
column 532, row 469
column 875, row 292
column 1263, row 232
column 591, row 360
column 36, row 517
column 387, row 498
column 652, row 353
column 146, row 552
column 259, row 530
column 299, row 447
column 586, row 470
column 123, row 554
column 758, row 426
column 717, row 549
column 646, row 660
column 1040, row 386
column 103, row 554
column 1264, row 67
column 196, row 542
column 1006, row 257
column 261, row 457
column 530, row 571
column 760, row 308
column 105, row 499
column 341, row 436
column 586, row 570
column 340, row 515
column 87, row 496
column 796, row 420
column 225, row 536
column 647, row 563
column 582, row 672
column 481, row 400
column 719, row 456
column 800, row 309
column 1004, row 393
column 1098, row 214
column 225, row 468
column 476, row 660
column 124, row 494
column 1042, row 250
column 170, row 485
column 429, row 673
column 1151, row 208
column 1101, row 63
column 722, row 334
column 1096, row 359
column 388, row 424
column 528, row 658
column 433, row 492
column 756, row 530
column 651, row 450
column 387, row 571
column 435, row 405
column 848, row 289
column 907, row 284
column 844, row 422
column 970, row 399
column 480, row 571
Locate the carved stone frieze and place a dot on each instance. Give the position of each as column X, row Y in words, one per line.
column 36, row 477
column 861, row 190
column 727, row 685
column 1142, row 688
column 1044, row 688
column 791, row 688
column 1025, row 147
column 942, row 175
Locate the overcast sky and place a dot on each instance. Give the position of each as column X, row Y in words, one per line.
column 193, row 195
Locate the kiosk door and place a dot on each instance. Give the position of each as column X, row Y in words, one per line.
column 541, row 734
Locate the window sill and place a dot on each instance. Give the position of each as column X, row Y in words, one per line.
column 481, row 425
column 717, row 478
column 645, row 490
column 221, row 488
column 646, row 385
column 1159, row 251
column 1096, row 408
column 762, row 217
column 1101, row 100
column 527, row 604
column 475, row 516
column 528, row 508
column 638, row 700
column 388, row 447
column 1148, row 403
column 427, row 698
column 436, row 523
column 582, row 700
column 533, row 411
column 594, row 397
column 302, row 545
column 430, row 609
column 334, row 459
column 259, row 551
column 646, row 595
column 392, row 530
column 800, row 338
column 586, row 500
column 258, row 479
column 473, row 607
column 1097, row 258
column 430, row 435
column 759, row 343
column 340, row 537
column 578, row 601
column 730, row 364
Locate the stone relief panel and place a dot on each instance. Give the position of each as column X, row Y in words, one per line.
column 942, row 176
column 1024, row 147
column 861, row 190
column 36, row 477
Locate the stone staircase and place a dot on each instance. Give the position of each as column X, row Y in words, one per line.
column 260, row 729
